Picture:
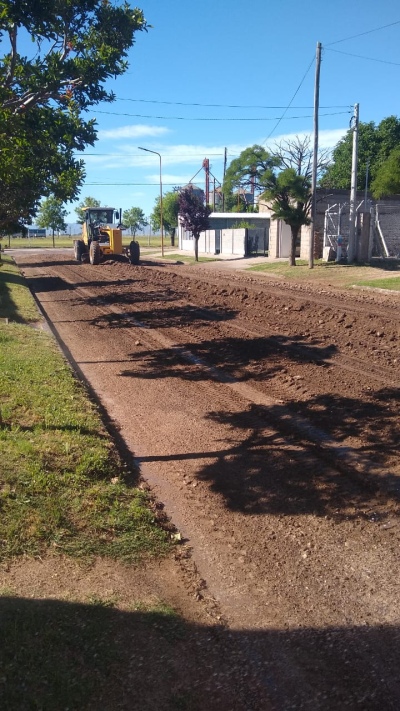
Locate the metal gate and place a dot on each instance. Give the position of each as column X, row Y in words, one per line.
column 256, row 242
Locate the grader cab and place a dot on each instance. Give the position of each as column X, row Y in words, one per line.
column 102, row 237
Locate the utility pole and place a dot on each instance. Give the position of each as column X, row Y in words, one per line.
column 223, row 194
column 366, row 186
column 315, row 158
column 351, row 250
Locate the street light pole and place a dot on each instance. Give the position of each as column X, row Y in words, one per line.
column 161, row 201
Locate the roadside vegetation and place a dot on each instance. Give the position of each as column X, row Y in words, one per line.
column 63, row 486
column 67, row 241
column 375, row 275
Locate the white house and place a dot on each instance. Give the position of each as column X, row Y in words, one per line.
column 225, row 238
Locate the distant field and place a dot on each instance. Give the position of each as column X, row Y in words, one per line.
column 67, row 241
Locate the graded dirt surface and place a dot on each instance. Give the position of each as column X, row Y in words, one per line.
column 264, row 417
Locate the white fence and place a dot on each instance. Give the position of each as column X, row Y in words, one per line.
column 228, row 241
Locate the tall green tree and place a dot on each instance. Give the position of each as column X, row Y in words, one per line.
column 375, row 143
column 170, row 214
column 194, row 215
column 387, row 178
column 245, row 174
column 52, row 215
column 135, row 219
column 288, row 195
column 76, row 46
column 287, row 192
column 86, row 202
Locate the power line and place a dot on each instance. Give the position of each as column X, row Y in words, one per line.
column 361, row 34
column 136, row 155
column 291, row 101
column 371, row 59
column 149, row 185
column 223, row 106
column 184, row 118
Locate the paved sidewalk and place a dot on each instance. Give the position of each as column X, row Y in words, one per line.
column 218, row 261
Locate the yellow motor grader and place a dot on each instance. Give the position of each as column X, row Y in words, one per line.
column 102, row 237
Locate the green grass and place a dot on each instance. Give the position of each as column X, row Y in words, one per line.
column 67, row 241
column 187, row 259
column 58, row 655
column 16, row 302
column 332, row 274
column 393, row 284
column 62, row 484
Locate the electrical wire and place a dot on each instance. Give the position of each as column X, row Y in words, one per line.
column 184, row 118
column 371, row 59
column 149, row 185
column 223, row 106
column 136, row 155
column 361, row 34
column 290, row 103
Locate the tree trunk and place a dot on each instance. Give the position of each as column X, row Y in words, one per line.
column 172, row 234
column 196, row 249
column 292, row 258
column 53, row 239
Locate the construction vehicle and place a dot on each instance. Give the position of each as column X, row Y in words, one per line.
column 102, row 237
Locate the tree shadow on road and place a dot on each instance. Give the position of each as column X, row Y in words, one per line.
column 171, row 317
column 281, row 464
column 57, row 655
column 238, row 359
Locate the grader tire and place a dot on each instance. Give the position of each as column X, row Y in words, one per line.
column 79, row 249
column 94, row 253
column 134, row 252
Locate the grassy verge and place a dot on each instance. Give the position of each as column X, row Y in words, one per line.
column 393, row 284
column 332, row 274
column 188, row 259
column 67, row 241
column 62, row 484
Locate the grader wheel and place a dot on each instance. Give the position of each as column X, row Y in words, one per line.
column 134, row 252
column 94, row 253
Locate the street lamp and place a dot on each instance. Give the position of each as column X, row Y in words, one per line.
column 161, row 205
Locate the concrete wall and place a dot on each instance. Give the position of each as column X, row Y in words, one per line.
column 279, row 244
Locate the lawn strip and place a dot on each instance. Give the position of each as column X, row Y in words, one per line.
column 62, row 483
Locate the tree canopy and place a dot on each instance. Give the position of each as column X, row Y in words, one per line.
column 58, row 56
column 288, row 195
column 194, row 215
column 375, row 143
column 246, row 171
column 170, row 213
column 283, row 180
column 88, row 201
column 52, row 214
column 387, row 177
column 135, row 219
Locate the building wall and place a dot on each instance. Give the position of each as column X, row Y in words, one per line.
column 223, row 238
column 279, row 232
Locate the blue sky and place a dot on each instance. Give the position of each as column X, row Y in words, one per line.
column 252, row 55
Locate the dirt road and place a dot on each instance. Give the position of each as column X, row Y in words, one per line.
column 264, row 415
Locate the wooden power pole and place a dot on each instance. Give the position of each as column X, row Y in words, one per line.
column 315, row 157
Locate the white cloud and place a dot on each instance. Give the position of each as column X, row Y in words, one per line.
column 133, row 131
column 187, row 157
column 327, row 138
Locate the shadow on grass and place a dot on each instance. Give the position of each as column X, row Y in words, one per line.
column 390, row 265
column 56, row 655
column 8, row 307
